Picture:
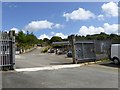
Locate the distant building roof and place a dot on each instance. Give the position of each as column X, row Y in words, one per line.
column 65, row 43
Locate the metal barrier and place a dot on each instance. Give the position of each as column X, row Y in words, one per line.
column 89, row 49
column 7, row 50
column 84, row 50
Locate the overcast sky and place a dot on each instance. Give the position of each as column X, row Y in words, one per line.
column 61, row 19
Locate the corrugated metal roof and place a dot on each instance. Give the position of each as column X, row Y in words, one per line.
column 65, row 43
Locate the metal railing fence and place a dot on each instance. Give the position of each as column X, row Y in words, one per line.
column 7, row 49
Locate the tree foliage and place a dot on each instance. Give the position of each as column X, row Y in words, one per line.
column 102, row 36
column 56, row 39
column 26, row 40
column 29, row 39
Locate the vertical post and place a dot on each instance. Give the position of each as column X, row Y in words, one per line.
column 83, row 54
column 13, row 45
column 0, row 50
column 72, row 41
column 12, row 48
column 94, row 50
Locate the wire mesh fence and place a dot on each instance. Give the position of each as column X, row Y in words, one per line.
column 84, row 50
column 103, row 48
column 89, row 49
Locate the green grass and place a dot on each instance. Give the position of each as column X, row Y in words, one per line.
column 104, row 60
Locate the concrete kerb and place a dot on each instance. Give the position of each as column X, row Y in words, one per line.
column 89, row 63
column 55, row 67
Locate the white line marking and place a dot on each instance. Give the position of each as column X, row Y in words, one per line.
column 53, row 67
column 48, row 68
column 19, row 57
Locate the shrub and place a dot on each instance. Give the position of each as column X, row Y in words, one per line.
column 44, row 50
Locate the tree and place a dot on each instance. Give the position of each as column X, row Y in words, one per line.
column 45, row 39
column 21, row 37
column 40, row 41
column 115, row 38
column 102, row 36
column 26, row 40
column 55, row 39
column 31, row 39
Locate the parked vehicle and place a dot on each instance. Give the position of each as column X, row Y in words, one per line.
column 17, row 51
column 51, row 51
column 59, row 52
column 69, row 54
column 115, row 54
column 39, row 45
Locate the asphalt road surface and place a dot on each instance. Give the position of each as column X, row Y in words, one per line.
column 89, row 76
column 38, row 59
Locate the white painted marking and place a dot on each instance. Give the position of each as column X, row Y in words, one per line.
column 19, row 57
column 54, row 67
column 48, row 68
column 52, row 54
column 41, row 54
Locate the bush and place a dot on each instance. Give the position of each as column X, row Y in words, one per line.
column 44, row 50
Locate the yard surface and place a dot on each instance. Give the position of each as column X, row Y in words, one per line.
column 104, row 75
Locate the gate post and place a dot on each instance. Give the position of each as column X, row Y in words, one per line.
column 0, row 49
column 12, row 48
column 72, row 41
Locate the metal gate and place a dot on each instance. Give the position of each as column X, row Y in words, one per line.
column 7, row 50
column 89, row 50
column 84, row 50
